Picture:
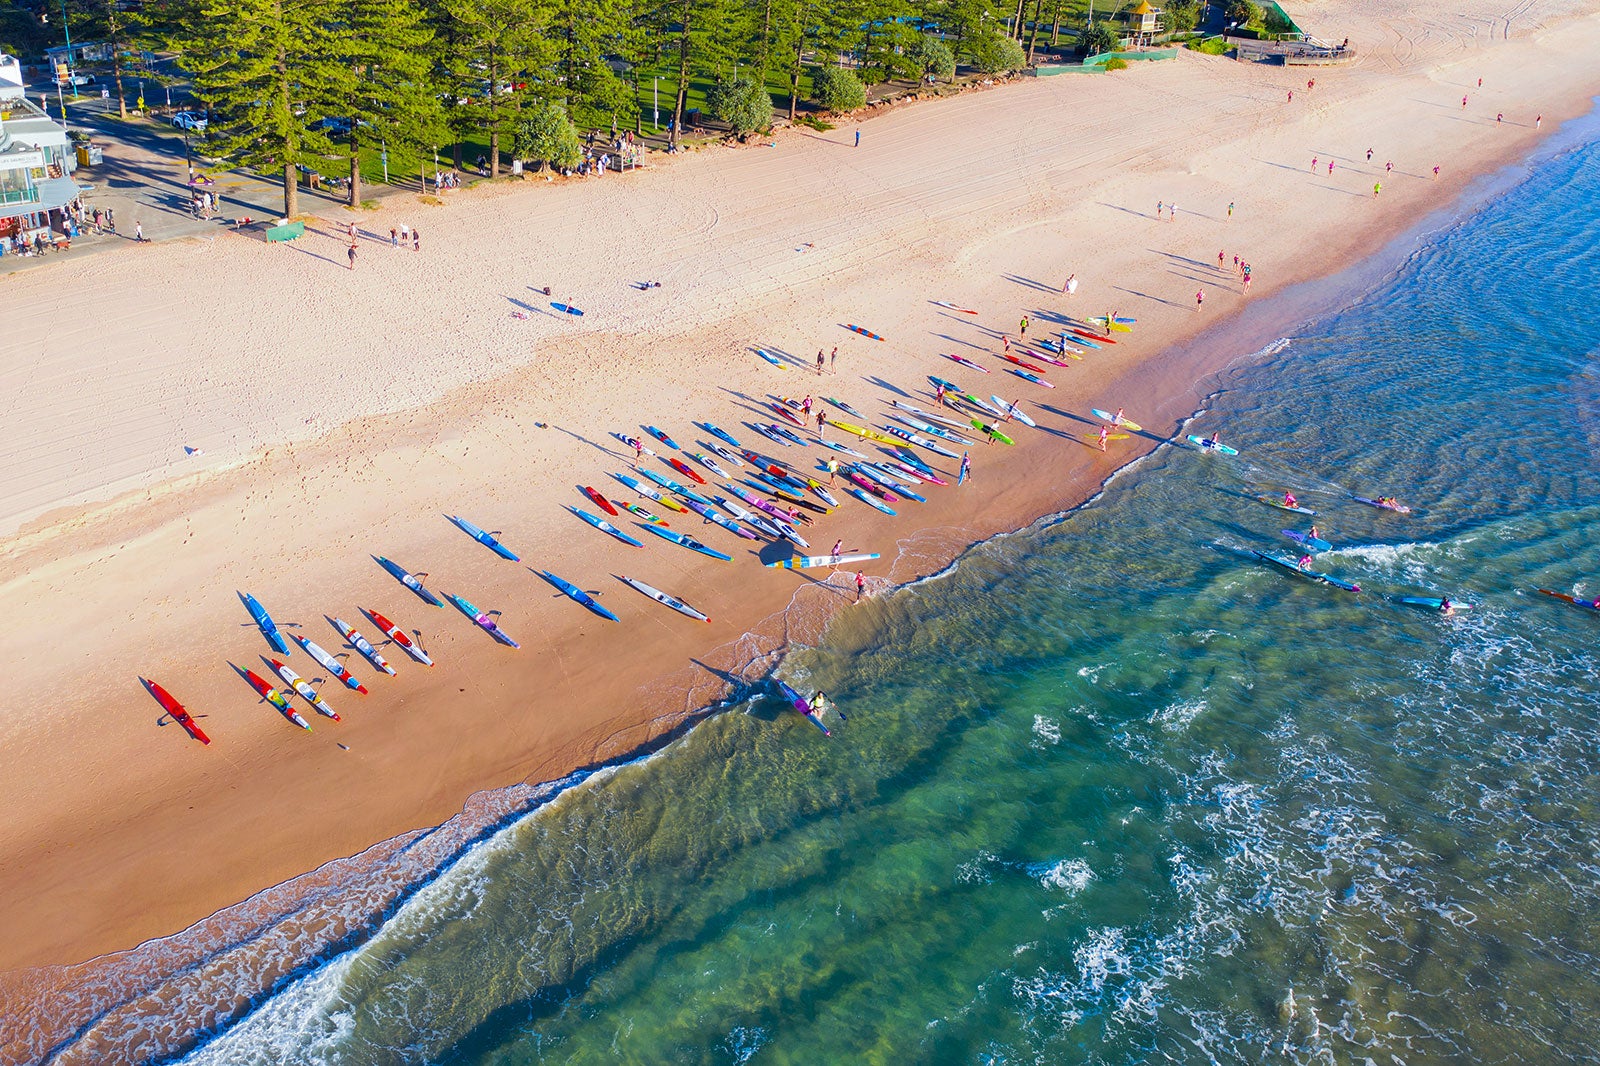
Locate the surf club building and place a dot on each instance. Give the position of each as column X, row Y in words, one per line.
column 36, row 164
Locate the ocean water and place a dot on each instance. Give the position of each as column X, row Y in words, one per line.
column 1110, row 791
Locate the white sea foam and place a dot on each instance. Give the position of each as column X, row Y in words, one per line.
column 1068, row 875
column 1046, row 731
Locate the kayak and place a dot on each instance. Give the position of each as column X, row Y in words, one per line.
column 993, row 433
column 783, row 410
column 1107, row 416
column 831, row 446
column 330, row 664
column 484, row 537
column 1211, row 446
column 278, row 699
column 798, row 702
column 861, row 431
column 1035, row 378
column 718, row 433
column 863, row 331
column 938, row 431
column 661, row 597
column 1091, row 337
column 769, row 357
column 263, row 620
column 1307, row 541
column 1014, row 410
column 688, row 542
column 749, row 518
column 363, row 645
column 705, row 510
column 1432, row 603
column 1052, row 360
column 686, row 470
column 605, row 527
column 732, row 457
column 577, row 595
column 407, row 579
column 1273, row 501
column 1063, row 349
column 1397, row 508
column 953, row 307
column 787, row 434
column 907, row 460
column 710, row 464
column 1086, row 339
column 846, row 408
column 567, row 309
column 921, row 441
column 599, row 500
column 650, row 494
column 661, row 436
column 979, row 404
column 929, row 415
column 640, row 512
column 1023, row 365
column 871, row 486
column 398, row 635
column 867, row 499
column 964, row 361
column 481, row 620
column 767, row 433
column 307, row 693
column 672, row 486
column 1592, row 605
column 780, row 523
column 805, row 562
column 175, row 709
column 1294, row 568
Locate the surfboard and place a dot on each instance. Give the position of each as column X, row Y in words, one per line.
column 567, row 309
column 1107, row 416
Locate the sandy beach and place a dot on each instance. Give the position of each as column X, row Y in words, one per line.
column 340, row 414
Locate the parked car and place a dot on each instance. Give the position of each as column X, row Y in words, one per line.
column 334, row 124
column 189, row 120
column 82, row 79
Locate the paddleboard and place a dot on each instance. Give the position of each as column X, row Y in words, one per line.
column 1273, row 501
column 1432, row 603
column 1203, row 443
column 1307, row 541
column 1107, row 416
column 769, row 357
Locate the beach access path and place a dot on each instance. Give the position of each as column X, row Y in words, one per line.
column 340, row 413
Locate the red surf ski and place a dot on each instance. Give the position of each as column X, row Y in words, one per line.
column 1098, row 337
column 600, row 501
column 684, row 468
column 1019, row 362
column 783, row 409
column 175, row 709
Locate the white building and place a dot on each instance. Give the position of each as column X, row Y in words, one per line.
column 36, row 164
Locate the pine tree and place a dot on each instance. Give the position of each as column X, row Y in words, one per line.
column 261, row 66
column 392, row 101
column 495, row 51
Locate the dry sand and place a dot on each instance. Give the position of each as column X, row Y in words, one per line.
column 341, row 413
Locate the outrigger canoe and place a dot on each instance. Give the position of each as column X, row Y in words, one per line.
column 663, row 598
column 605, row 527
column 1295, row 568
column 307, row 693
column 804, row 562
column 363, row 645
column 264, row 622
column 409, row 580
column 278, row 699
column 484, row 537
column 481, row 619
column 329, row 663
column 688, row 542
column 176, row 710
column 577, row 595
column 398, row 635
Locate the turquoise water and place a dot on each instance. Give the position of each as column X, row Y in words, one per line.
column 1110, row 791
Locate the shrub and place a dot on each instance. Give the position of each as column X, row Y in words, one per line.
column 547, row 134
column 995, row 53
column 1211, row 46
column 814, row 122
column 1181, row 16
column 1275, row 21
column 1242, row 12
column 837, row 89
column 933, row 57
column 1099, row 39
column 742, row 104
column 1116, row 63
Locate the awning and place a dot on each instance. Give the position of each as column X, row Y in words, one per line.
column 53, row 193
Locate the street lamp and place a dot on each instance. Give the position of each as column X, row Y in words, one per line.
column 67, row 29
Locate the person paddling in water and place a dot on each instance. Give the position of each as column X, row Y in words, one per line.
column 1304, row 562
column 1215, row 440
column 1289, row 500
column 1446, row 607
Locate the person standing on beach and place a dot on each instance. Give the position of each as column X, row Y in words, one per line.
column 1022, row 332
column 1377, row 187
column 833, row 472
column 1538, row 121
column 966, row 468
column 1230, row 208
column 1330, row 168
column 394, row 237
column 1314, row 162
column 138, row 232
column 1291, row 96
column 1369, row 155
column 1105, row 431
column 819, row 362
column 351, row 252
column 1222, row 258
column 861, row 585
column 1436, row 172
column 1159, row 205
column 858, row 138
column 822, row 422
column 1499, row 117
column 938, row 394
column 1199, row 299
column 1071, row 287
column 805, row 405
column 833, row 360
column 416, row 239
column 1463, row 103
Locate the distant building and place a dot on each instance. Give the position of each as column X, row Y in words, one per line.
column 1144, row 22
column 80, row 53
column 36, row 164
column 11, row 83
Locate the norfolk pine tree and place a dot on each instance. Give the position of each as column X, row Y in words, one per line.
column 260, row 65
column 392, row 101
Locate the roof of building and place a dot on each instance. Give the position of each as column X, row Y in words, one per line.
column 1143, row 8
column 53, row 193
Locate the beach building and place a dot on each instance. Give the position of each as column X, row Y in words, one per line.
column 1144, row 22
column 36, row 164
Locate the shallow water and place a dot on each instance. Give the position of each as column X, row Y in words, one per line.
column 1110, row 791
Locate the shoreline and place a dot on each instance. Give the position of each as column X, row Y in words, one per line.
column 947, row 525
